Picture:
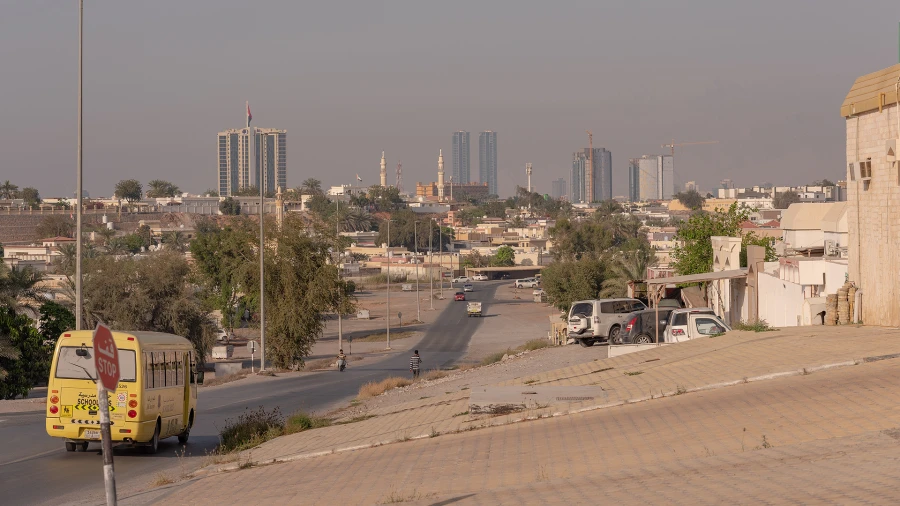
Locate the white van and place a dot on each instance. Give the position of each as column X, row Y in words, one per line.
column 590, row 321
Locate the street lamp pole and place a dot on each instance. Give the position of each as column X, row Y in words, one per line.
column 431, row 262
column 337, row 226
column 416, row 248
column 79, row 299
column 441, row 256
column 388, row 316
column 262, row 274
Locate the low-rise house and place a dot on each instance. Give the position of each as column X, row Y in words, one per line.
column 38, row 257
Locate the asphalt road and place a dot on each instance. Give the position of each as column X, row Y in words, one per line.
column 36, row 469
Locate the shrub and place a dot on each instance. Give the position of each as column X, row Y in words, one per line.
column 300, row 421
column 493, row 358
column 251, row 428
column 535, row 344
column 757, row 326
column 373, row 388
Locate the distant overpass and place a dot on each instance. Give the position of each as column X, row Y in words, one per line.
column 519, row 271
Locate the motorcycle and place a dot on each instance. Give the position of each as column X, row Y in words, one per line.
column 342, row 364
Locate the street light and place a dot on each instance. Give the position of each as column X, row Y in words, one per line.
column 388, row 316
column 431, row 261
column 416, row 248
column 337, row 226
column 79, row 299
column 262, row 273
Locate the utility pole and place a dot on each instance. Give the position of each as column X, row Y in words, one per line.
column 262, row 274
column 79, row 299
column 416, row 248
column 337, row 226
column 441, row 256
column 431, row 261
column 388, row 315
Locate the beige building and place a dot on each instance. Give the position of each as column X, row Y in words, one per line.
column 873, row 193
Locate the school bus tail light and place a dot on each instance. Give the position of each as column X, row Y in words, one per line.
column 59, row 427
column 132, row 403
column 54, row 410
column 54, row 400
column 132, row 413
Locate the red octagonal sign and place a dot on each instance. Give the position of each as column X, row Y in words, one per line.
column 106, row 357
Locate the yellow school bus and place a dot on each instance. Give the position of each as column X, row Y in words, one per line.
column 156, row 396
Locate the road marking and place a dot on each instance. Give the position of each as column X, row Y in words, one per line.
column 36, row 455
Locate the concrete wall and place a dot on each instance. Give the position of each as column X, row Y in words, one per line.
column 873, row 218
column 780, row 301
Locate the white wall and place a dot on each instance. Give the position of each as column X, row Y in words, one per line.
column 780, row 302
column 804, row 238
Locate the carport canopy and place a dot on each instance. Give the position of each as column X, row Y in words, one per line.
column 698, row 278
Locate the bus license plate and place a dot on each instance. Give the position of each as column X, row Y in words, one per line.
column 92, row 434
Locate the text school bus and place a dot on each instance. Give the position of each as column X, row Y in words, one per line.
column 156, row 396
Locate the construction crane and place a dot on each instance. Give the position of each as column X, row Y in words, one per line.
column 673, row 144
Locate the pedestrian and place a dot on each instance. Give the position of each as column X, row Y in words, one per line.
column 414, row 362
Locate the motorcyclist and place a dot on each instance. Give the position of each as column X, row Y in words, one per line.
column 342, row 360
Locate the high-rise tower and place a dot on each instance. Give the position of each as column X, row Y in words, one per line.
column 234, row 160
column 460, row 157
column 487, row 160
column 528, row 173
column 440, row 180
column 271, row 158
column 383, row 170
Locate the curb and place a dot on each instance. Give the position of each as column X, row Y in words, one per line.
column 712, row 386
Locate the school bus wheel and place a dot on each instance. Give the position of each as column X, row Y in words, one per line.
column 153, row 445
column 70, row 446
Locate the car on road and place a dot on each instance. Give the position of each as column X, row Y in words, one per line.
column 468, row 287
column 461, row 279
column 473, row 309
column 528, row 283
column 479, row 277
column 459, row 296
column 591, row 321
column 643, row 327
column 505, row 276
column 691, row 323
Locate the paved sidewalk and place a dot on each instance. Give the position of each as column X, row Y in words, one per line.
column 731, row 359
column 827, row 437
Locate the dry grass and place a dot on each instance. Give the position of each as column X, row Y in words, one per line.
column 373, row 389
column 300, row 421
column 322, row 363
column 382, row 337
column 434, row 374
column 535, row 344
column 228, row 378
column 493, row 358
column 162, row 479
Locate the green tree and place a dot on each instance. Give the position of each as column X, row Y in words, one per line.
column 55, row 319
column 823, row 182
column 505, row 257
column 176, row 240
column 224, row 258
column 20, row 287
column 385, row 198
column 129, row 190
column 33, row 363
column 251, row 191
column 690, row 199
column 624, row 268
column 8, row 353
column 693, row 253
column 311, row 186
column 475, row 260
column 403, row 231
column 229, row 206
column 155, row 293
column 159, row 188
column 8, row 190
column 784, row 200
column 55, row 225
column 568, row 281
column 31, row 196
column 210, row 193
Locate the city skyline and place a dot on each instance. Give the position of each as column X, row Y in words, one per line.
column 461, row 157
column 726, row 84
column 487, row 160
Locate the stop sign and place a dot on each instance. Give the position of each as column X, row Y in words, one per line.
column 106, row 357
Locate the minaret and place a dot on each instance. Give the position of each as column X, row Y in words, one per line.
column 440, row 174
column 279, row 208
column 383, row 170
column 528, row 171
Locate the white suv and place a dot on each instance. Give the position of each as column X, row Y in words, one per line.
column 480, row 277
column 590, row 321
column 528, row 283
column 461, row 279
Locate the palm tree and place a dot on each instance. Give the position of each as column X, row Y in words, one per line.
column 311, row 186
column 624, row 268
column 607, row 208
column 65, row 261
column 8, row 190
column 7, row 351
column 358, row 220
column 105, row 235
column 176, row 239
column 19, row 288
column 516, row 222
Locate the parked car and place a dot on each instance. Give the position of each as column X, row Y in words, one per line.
column 528, row 283
column 224, row 336
column 590, row 321
column 459, row 296
column 505, row 276
column 691, row 323
column 642, row 326
column 461, row 279
column 468, row 287
column 480, row 277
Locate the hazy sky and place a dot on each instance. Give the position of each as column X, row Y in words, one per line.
column 350, row 79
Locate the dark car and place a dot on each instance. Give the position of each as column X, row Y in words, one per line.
column 640, row 326
column 459, row 296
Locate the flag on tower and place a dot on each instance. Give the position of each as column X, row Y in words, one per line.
column 358, row 178
column 249, row 116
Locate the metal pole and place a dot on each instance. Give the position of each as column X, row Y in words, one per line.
column 416, row 248
column 441, row 256
column 79, row 299
column 431, row 263
column 337, row 224
column 388, row 316
column 262, row 275
column 109, row 472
